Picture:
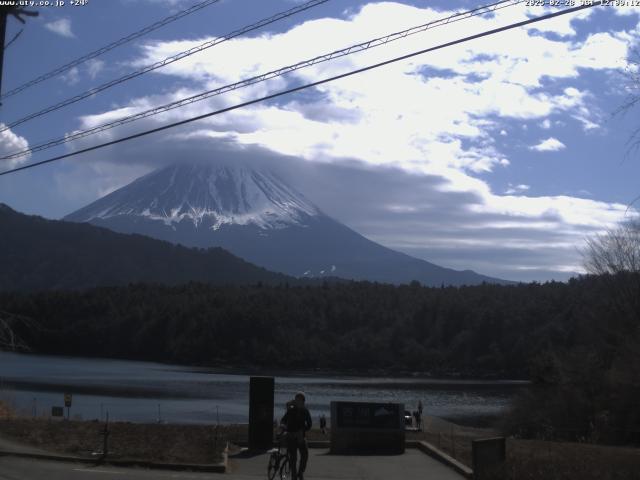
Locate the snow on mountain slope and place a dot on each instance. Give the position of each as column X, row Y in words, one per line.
column 221, row 195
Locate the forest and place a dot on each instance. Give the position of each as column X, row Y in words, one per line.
column 485, row 330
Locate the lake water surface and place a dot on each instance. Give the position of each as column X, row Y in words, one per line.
column 146, row 392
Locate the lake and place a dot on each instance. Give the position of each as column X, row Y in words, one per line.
column 148, row 392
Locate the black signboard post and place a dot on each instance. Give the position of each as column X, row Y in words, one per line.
column 261, row 412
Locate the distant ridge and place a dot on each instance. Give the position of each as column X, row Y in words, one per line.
column 40, row 254
column 255, row 215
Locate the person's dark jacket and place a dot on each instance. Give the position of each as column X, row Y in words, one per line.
column 296, row 419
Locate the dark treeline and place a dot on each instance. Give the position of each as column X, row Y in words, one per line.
column 488, row 329
column 578, row 341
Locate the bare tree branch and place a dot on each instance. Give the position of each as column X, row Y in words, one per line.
column 615, row 257
column 616, row 251
column 9, row 339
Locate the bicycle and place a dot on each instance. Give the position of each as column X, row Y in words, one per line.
column 279, row 460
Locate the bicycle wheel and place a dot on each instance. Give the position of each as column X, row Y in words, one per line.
column 285, row 469
column 272, row 469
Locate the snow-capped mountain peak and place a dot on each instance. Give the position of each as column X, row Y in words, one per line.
column 207, row 195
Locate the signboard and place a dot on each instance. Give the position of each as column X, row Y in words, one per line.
column 367, row 415
column 57, row 411
column 67, row 400
column 367, row 427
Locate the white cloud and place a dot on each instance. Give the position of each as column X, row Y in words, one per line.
column 94, row 67
column 80, row 185
column 568, row 211
column 11, row 143
column 62, row 27
column 627, row 10
column 551, row 144
column 72, row 77
column 546, row 124
column 516, row 189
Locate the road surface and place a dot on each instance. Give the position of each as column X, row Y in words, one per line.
column 322, row 466
column 13, row 468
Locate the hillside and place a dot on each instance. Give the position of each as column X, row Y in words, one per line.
column 41, row 254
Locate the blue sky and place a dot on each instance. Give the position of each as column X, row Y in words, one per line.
column 500, row 155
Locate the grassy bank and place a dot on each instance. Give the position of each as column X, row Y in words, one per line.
column 537, row 459
column 150, row 442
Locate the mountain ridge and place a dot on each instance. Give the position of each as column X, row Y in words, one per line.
column 41, row 254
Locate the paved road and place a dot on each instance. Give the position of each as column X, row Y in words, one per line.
column 322, row 466
column 12, row 468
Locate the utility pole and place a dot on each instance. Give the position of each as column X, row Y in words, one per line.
column 16, row 12
column 4, row 13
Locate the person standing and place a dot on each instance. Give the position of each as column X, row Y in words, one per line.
column 323, row 424
column 297, row 421
column 418, row 417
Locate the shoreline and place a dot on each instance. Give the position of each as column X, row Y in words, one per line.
column 439, row 379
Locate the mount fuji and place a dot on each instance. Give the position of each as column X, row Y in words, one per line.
column 258, row 217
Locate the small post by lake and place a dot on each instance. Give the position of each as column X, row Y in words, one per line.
column 67, row 403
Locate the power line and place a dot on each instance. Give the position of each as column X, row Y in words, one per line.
column 166, row 61
column 376, row 42
column 15, row 37
column 310, row 85
column 111, row 46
